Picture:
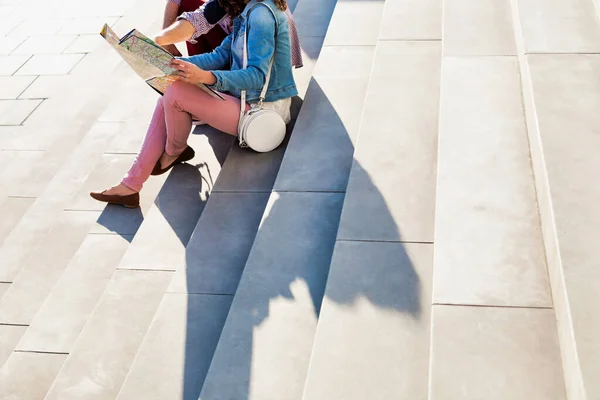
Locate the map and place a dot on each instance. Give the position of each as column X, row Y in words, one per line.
column 149, row 60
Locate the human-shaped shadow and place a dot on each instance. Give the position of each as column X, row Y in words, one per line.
column 287, row 256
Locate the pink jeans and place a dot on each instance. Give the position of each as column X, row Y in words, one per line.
column 172, row 122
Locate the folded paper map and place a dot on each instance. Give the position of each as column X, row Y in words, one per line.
column 148, row 59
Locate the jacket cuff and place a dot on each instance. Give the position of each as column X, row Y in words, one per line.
column 220, row 84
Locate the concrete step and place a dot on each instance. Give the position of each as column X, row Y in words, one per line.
column 488, row 246
column 264, row 349
column 561, row 101
column 374, row 323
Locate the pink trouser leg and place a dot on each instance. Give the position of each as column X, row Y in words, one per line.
column 172, row 122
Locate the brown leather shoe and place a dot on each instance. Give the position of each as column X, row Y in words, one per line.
column 129, row 201
column 187, row 155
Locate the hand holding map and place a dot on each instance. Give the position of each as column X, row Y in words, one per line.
column 148, row 59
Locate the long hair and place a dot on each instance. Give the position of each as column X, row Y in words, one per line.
column 235, row 7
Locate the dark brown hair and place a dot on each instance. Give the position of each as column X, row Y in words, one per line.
column 235, row 7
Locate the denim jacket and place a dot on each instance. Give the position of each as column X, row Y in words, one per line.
column 225, row 62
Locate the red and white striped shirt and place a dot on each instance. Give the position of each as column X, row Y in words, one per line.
column 202, row 26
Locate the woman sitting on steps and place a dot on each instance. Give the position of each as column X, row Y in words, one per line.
column 166, row 139
column 203, row 24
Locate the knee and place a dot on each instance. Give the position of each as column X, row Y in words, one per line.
column 175, row 92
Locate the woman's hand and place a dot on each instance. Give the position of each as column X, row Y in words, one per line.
column 190, row 73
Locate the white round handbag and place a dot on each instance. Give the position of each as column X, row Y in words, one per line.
column 260, row 129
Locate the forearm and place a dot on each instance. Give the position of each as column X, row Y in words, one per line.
column 171, row 13
column 180, row 31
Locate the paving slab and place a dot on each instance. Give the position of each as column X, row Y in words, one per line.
column 9, row 337
column 29, row 375
column 42, row 269
column 312, row 17
column 160, row 243
column 478, row 28
column 47, row 86
column 498, row 353
column 12, row 86
column 391, row 190
column 345, row 62
column 178, row 348
column 218, row 249
column 10, row 64
column 85, row 44
column 19, row 177
column 319, row 155
column 15, row 112
column 87, row 25
column 372, row 341
column 108, row 172
column 565, row 26
column 8, row 44
column 50, row 64
column 40, row 25
column 411, row 20
column 98, row 364
column 60, row 320
column 266, row 343
column 44, row 44
column 344, row 29
column 3, row 288
column 11, row 211
column 568, row 122
column 489, row 249
column 311, row 48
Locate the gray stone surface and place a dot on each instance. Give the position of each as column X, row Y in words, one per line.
column 218, row 249
column 266, row 343
column 57, row 325
column 350, row 62
column 10, row 64
column 22, row 176
column 9, row 337
column 344, row 29
column 15, row 112
column 42, row 269
column 571, row 84
column 11, row 211
column 478, row 28
column 565, row 26
column 372, row 341
column 311, row 48
column 44, row 44
column 160, row 243
column 495, row 353
column 98, row 364
column 29, row 375
column 46, row 86
column 178, row 348
column 8, row 44
column 391, row 192
column 86, row 25
column 108, row 172
column 312, row 17
column 85, row 44
column 12, row 86
column 411, row 20
column 489, row 249
column 319, row 155
column 248, row 171
column 51, row 64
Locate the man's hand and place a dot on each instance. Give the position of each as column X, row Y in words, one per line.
column 190, row 73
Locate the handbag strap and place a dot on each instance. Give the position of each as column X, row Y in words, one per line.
column 263, row 93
